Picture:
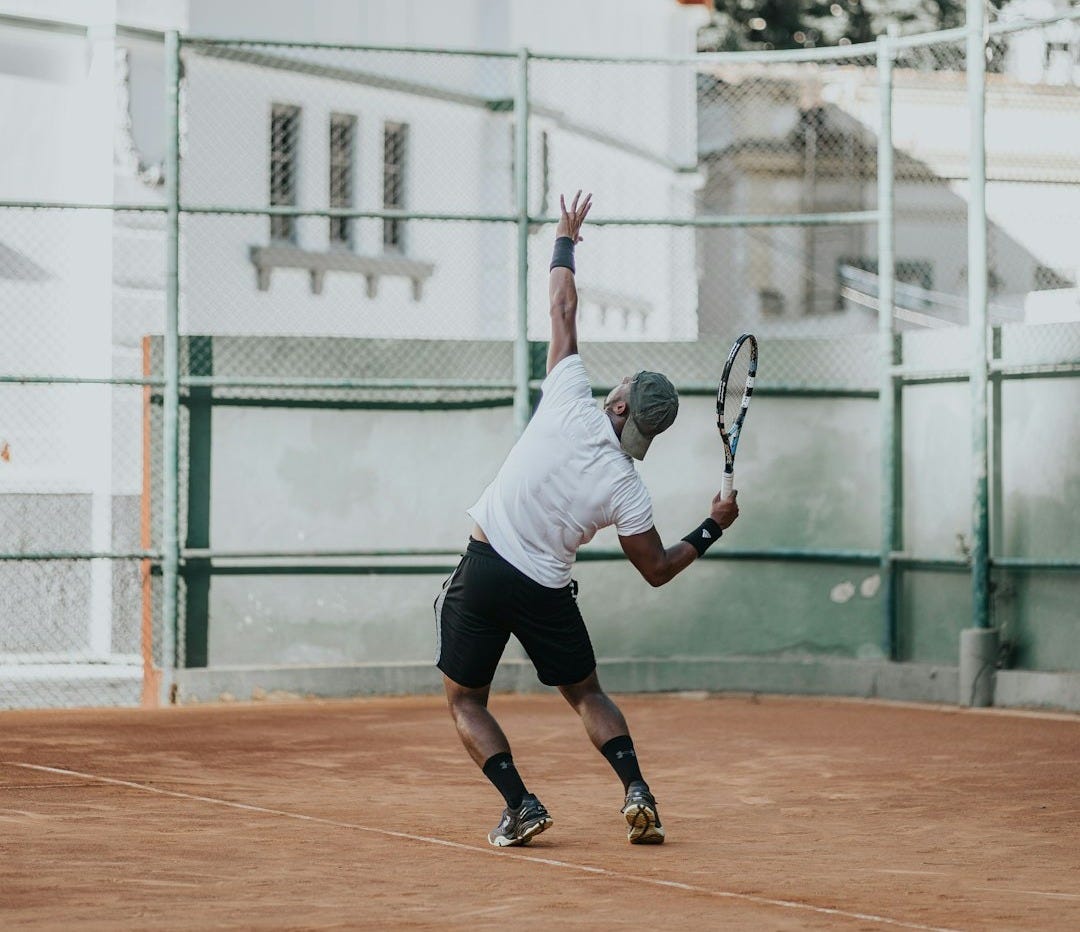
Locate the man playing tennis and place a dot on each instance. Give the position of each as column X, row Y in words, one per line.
column 570, row 474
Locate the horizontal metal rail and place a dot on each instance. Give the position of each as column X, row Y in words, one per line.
column 1006, row 371
column 943, row 37
column 387, row 384
column 1004, row 28
column 293, row 403
column 344, row 213
column 1035, row 370
column 382, row 561
column 708, row 389
column 81, row 205
column 840, row 218
column 767, row 57
column 332, row 569
column 914, row 562
column 587, row 555
column 207, row 553
column 214, row 381
column 1034, row 563
column 348, row 213
column 836, row 218
column 78, row 380
column 346, row 47
column 909, row 376
column 906, row 375
column 155, row 555
column 765, row 555
column 828, row 53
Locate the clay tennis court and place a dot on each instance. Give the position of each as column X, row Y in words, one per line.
column 781, row 814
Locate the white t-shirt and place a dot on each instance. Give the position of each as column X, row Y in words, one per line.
column 564, row 480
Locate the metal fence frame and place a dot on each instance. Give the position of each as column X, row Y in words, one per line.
column 985, row 374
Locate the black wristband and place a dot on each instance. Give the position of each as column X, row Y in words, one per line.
column 563, row 254
column 704, row 535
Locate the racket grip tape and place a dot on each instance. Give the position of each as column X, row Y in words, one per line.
column 727, row 485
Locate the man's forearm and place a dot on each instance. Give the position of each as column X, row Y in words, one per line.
column 563, row 296
column 676, row 558
column 561, row 287
column 562, row 293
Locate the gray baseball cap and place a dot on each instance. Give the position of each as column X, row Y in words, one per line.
column 652, row 406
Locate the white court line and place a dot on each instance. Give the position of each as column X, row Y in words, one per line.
column 503, row 853
column 1053, row 896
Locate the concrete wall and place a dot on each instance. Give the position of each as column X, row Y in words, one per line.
column 809, row 478
column 338, row 480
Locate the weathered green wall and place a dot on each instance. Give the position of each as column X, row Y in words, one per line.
column 809, row 477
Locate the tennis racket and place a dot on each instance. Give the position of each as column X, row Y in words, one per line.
column 733, row 400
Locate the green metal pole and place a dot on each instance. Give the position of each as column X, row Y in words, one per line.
column 521, row 171
column 889, row 395
column 170, row 519
column 199, row 446
column 977, row 294
column 978, row 644
column 997, row 517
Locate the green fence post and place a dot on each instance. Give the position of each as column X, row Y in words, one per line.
column 170, row 519
column 977, row 271
column 197, row 569
column 997, row 517
column 538, row 353
column 889, row 399
column 522, row 407
column 978, row 645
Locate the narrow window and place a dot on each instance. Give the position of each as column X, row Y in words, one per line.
column 342, row 150
column 284, row 145
column 395, row 137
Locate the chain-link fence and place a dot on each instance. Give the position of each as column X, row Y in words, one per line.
column 78, row 292
column 364, row 230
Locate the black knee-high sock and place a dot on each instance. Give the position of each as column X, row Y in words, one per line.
column 500, row 770
column 622, row 757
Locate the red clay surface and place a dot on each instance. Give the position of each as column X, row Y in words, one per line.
column 781, row 814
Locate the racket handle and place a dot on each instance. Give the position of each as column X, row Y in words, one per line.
column 728, row 483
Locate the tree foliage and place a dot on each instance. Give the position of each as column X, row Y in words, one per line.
column 785, row 24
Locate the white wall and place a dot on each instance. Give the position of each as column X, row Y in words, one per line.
column 458, row 161
column 622, row 140
column 55, row 292
column 1033, row 197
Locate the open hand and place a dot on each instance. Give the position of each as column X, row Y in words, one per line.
column 571, row 220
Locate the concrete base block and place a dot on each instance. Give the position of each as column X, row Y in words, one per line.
column 1035, row 690
column 796, row 676
column 978, row 664
column 69, row 685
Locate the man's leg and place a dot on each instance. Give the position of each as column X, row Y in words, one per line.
column 610, row 735
column 600, row 716
column 525, row 815
column 605, row 726
column 479, row 732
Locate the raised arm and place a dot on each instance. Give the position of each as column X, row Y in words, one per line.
column 660, row 564
column 561, row 288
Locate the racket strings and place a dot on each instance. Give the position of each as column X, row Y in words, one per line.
column 737, row 382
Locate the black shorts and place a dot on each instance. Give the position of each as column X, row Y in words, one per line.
column 485, row 601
